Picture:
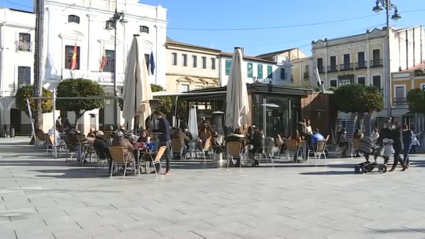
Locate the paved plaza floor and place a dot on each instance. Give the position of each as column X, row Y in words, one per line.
column 42, row 197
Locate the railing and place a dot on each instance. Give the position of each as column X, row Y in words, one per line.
column 23, row 46
column 361, row 65
column 346, row 67
column 306, row 75
column 399, row 102
column 376, row 63
column 333, row 68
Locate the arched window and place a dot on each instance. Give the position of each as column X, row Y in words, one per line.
column 144, row 29
column 74, row 19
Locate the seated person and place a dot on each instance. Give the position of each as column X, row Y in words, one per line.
column 257, row 143
column 92, row 133
column 297, row 137
column 101, row 145
column 342, row 141
column 143, row 137
column 217, row 147
column 182, row 137
column 120, row 141
column 316, row 137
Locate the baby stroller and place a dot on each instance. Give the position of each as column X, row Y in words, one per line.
column 368, row 148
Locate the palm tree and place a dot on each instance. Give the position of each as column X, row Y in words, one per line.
column 38, row 61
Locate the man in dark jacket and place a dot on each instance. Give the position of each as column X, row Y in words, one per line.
column 163, row 138
column 407, row 143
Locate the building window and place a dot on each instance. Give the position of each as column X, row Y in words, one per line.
column 361, row 60
column 184, row 59
column 74, row 19
column 334, row 83
column 333, row 66
column 24, row 42
column 195, row 61
column 377, row 82
column 270, row 72
column 399, row 95
column 184, row 88
column 228, row 65
column 213, row 63
column 250, row 70
column 320, row 65
column 204, row 62
column 69, row 51
column 110, row 61
column 147, row 61
column 144, row 29
column 342, row 82
column 282, row 74
column 361, row 80
column 24, row 75
column 260, row 71
column 174, row 59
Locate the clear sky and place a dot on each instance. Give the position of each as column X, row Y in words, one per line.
column 280, row 24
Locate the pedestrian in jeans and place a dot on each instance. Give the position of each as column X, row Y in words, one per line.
column 407, row 143
column 163, row 138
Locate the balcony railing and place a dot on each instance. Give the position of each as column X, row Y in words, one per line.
column 346, row 67
column 306, row 75
column 321, row 69
column 333, row 68
column 399, row 102
column 376, row 63
column 23, row 46
column 361, row 65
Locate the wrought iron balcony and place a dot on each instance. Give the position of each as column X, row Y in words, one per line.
column 306, row 75
column 361, row 65
column 23, row 46
column 399, row 102
column 376, row 63
column 333, row 68
column 346, row 67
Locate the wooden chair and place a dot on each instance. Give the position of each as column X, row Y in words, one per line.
column 207, row 148
column 119, row 158
column 234, row 149
column 157, row 159
column 320, row 150
column 177, row 146
column 292, row 147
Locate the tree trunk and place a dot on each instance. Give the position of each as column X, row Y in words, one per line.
column 38, row 62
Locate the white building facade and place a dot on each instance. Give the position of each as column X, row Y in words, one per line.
column 83, row 24
column 257, row 70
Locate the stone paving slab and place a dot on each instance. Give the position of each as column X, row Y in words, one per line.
column 41, row 197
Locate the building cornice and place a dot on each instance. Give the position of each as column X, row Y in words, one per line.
column 189, row 46
column 90, row 10
column 18, row 25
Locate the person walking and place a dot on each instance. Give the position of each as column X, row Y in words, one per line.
column 385, row 136
column 163, row 139
column 397, row 145
column 407, row 144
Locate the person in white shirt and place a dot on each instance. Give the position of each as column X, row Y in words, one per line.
column 58, row 135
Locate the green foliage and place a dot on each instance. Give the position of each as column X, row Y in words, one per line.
column 416, row 100
column 333, row 89
column 79, row 88
column 166, row 104
column 358, row 98
column 26, row 92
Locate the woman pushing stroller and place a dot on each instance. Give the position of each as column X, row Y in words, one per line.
column 392, row 138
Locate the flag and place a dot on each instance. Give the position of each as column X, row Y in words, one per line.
column 152, row 63
column 104, row 60
column 74, row 58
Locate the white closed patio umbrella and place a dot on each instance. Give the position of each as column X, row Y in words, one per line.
column 237, row 108
column 193, row 122
column 137, row 90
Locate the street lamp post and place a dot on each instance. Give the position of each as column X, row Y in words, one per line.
column 112, row 24
column 388, row 6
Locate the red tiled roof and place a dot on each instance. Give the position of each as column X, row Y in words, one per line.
column 417, row 67
column 247, row 57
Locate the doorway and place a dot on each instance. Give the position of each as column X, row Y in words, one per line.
column 15, row 120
